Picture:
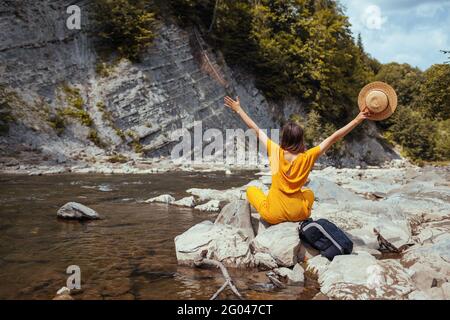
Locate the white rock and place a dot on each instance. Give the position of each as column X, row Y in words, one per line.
column 63, row 290
column 213, row 194
column 210, row 206
column 418, row 295
column 265, row 261
column 164, row 198
column 228, row 195
column 281, row 241
column 435, row 256
column 258, row 223
column 434, row 293
column 75, row 210
column 237, row 214
column 361, row 276
column 446, row 290
column 223, row 243
column 424, row 275
column 317, row 265
column 294, row 277
column 185, row 202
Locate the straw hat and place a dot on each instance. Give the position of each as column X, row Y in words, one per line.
column 380, row 98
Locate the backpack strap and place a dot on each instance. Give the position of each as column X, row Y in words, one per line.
column 325, row 233
column 304, row 223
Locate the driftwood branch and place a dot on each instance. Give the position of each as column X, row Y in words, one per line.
column 202, row 261
column 386, row 245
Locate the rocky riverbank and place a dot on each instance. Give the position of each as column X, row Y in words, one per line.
column 408, row 205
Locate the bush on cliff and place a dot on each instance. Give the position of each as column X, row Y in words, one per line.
column 125, row 25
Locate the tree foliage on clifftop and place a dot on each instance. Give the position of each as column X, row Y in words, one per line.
column 304, row 48
column 421, row 124
column 297, row 48
column 125, row 25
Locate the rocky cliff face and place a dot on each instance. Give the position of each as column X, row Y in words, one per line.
column 67, row 106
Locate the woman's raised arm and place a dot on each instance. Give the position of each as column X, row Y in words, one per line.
column 235, row 105
column 339, row 134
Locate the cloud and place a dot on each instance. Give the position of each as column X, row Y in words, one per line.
column 410, row 31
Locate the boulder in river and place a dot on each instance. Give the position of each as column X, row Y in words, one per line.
column 210, row 206
column 237, row 214
column 185, row 202
column 164, row 198
column 223, row 243
column 281, row 241
column 75, row 210
column 293, row 277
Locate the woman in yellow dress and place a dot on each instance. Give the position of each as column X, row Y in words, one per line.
column 290, row 165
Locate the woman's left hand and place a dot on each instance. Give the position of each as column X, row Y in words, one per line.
column 363, row 115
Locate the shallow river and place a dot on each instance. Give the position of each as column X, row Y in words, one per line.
column 129, row 254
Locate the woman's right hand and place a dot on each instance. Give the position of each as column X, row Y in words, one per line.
column 234, row 105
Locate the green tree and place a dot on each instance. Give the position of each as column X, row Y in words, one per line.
column 125, row 25
column 359, row 42
column 306, row 49
column 405, row 79
column 415, row 134
column 435, row 92
column 442, row 140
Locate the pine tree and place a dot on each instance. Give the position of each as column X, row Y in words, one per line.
column 359, row 43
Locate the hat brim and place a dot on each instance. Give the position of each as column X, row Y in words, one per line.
column 390, row 93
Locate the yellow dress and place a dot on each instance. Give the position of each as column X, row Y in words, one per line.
column 286, row 201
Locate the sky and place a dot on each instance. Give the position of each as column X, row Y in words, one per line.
column 410, row 31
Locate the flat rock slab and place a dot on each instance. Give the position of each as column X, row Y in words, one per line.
column 77, row 211
column 361, row 277
column 223, row 243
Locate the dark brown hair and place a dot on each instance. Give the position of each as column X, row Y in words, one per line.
column 292, row 138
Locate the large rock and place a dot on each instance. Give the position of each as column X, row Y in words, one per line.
column 237, row 214
column 281, row 241
column 258, row 223
column 75, row 210
column 430, row 257
column 362, row 276
column 223, row 243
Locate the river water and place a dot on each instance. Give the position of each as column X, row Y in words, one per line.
column 129, row 254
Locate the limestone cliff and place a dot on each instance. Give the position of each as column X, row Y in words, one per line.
column 66, row 105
